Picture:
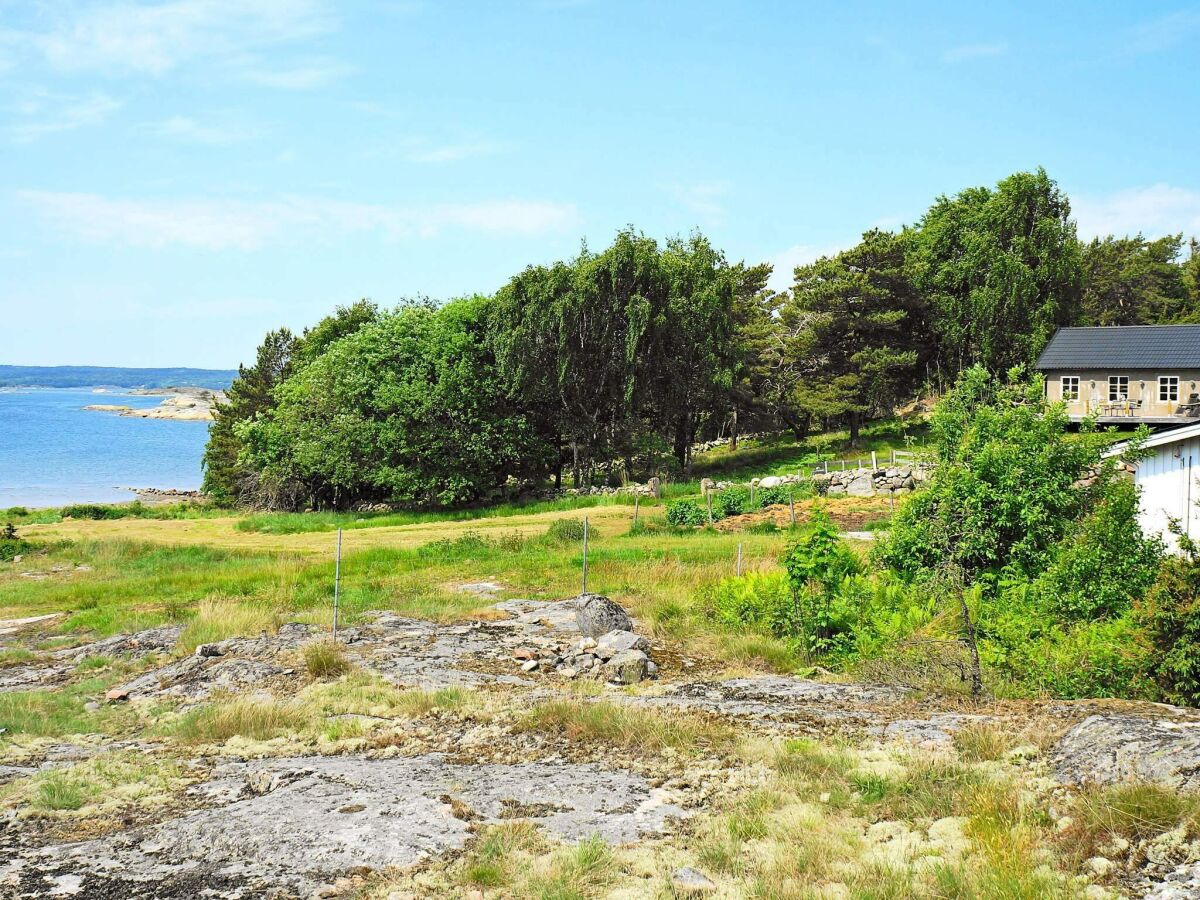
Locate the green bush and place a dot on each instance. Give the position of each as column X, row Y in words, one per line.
column 1105, row 565
column 17, row 512
column 818, row 564
column 565, row 531
column 757, row 601
column 1170, row 619
column 730, row 502
column 95, row 511
column 772, row 496
column 11, row 548
column 686, row 514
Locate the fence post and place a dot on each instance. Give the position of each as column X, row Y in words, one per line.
column 708, row 498
column 585, row 537
column 635, row 507
column 874, row 461
column 792, row 505
column 337, row 582
column 739, row 562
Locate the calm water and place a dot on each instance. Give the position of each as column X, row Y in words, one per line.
column 52, row 451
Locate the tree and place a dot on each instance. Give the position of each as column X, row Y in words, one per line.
column 226, row 478
column 853, row 321
column 1001, row 269
column 1011, row 481
column 409, row 408
column 1132, row 281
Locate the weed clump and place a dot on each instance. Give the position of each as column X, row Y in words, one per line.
column 325, row 659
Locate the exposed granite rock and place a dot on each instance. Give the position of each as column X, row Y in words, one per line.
column 1106, row 749
column 596, row 615
column 297, row 824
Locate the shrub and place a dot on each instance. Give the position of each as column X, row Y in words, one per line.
column 11, row 548
column 565, row 531
column 1105, row 565
column 759, row 601
column 817, row 565
column 772, row 496
column 687, row 514
column 95, row 511
column 1170, row 619
column 730, row 502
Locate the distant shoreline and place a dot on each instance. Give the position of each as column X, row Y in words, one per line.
column 182, row 404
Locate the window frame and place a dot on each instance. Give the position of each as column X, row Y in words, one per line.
column 1165, row 381
column 1115, row 394
column 1063, row 393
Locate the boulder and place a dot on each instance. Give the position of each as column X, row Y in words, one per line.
column 689, row 882
column 596, row 615
column 627, row 667
column 1106, row 749
column 609, row 645
column 771, row 481
column 655, row 485
column 861, row 486
column 707, row 486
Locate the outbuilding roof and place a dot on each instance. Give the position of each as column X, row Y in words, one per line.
column 1160, row 438
column 1123, row 347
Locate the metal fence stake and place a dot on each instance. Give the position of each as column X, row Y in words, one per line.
column 585, row 537
column 337, row 582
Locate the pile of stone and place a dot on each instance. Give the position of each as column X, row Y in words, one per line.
column 607, row 648
column 867, row 482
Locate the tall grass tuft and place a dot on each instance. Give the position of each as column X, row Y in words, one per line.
column 325, row 659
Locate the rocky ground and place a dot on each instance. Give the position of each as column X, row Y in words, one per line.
column 387, row 794
column 185, row 404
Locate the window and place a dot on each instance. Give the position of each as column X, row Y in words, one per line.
column 1118, row 387
column 1168, row 388
column 1070, row 387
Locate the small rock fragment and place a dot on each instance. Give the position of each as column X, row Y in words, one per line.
column 612, row 643
column 627, row 667
column 524, row 653
column 691, row 882
column 529, row 665
column 117, row 694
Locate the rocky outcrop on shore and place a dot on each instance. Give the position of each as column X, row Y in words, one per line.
column 182, row 404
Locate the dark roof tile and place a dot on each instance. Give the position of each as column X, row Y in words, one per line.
column 1123, row 347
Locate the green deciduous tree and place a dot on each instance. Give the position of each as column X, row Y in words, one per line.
column 1001, row 269
column 1133, row 281
column 408, row 408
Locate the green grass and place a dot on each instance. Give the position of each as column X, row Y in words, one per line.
column 110, row 779
column 58, row 713
column 20, row 515
column 15, row 656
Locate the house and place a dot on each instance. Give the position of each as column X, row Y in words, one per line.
column 1125, row 374
column 1167, row 477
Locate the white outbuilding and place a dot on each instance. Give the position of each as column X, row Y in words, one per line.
column 1168, row 477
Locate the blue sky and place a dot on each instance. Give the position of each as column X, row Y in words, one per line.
column 177, row 177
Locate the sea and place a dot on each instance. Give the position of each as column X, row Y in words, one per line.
column 54, row 452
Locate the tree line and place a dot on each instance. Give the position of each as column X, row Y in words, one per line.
column 612, row 364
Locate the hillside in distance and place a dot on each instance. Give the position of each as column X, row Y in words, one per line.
column 113, row 376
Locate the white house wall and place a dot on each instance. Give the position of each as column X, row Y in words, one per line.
column 1170, row 488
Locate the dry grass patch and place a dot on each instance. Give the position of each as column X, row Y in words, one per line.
column 984, row 742
column 257, row 720
column 325, row 659
column 627, row 727
column 1134, row 812
column 218, row 618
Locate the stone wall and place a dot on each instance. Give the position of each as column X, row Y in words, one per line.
column 867, row 482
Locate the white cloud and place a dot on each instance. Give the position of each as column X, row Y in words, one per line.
column 191, row 131
column 454, row 152
column 1154, row 211
column 703, row 199
column 41, row 113
column 154, row 38
column 968, row 52
column 785, row 262
column 240, row 225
